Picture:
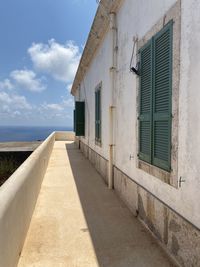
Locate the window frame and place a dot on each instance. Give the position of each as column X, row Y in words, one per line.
column 79, row 118
column 98, row 137
column 171, row 178
column 153, row 115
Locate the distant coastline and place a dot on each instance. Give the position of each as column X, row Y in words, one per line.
column 28, row 133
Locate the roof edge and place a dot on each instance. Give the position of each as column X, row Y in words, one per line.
column 97, row 32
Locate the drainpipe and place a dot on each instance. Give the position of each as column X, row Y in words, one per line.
column 79, row 99
column 112, row 107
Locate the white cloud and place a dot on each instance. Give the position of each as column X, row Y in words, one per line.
column 69, row 87
column 60, row 61
column 20, row 102
column 28, row 80
column 10, row 102
column 5, row 98
column 5, row 108
column 52, row 107
column 17, row 113
column 6, row 84
column 61, row 106
column 68, row 102
column 15, row 108
column 61, row 110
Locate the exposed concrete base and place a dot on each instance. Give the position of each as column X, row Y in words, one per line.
column 100, row 163
column 180, row 239
column 79, row 222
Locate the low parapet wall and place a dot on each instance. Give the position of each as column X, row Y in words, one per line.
column 18, row 196
column 65, row 136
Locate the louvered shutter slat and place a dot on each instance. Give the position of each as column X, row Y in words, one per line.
column 145, row 103
column 98, row 115
column 97, row 137
column 80, row 118
column 162, row 82
column 96, row 125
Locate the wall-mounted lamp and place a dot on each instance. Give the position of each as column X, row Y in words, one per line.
column 135, row 69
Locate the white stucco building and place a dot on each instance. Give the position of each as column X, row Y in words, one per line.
column 142, row 130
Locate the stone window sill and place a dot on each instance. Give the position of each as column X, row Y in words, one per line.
column 163, row 175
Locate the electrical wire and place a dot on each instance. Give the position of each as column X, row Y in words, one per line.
column 133, row 52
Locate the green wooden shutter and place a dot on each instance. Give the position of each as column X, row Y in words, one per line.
column 98, row 115
column 80, row 118
column 74, row 120
column 145, row 102
column 162, row 84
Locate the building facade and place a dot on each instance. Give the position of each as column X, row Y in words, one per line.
column 136, row 118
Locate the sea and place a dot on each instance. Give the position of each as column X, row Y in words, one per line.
column 30, row 133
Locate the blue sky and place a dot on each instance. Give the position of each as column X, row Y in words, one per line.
column 40, row 48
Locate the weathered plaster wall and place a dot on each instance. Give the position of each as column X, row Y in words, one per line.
column 180, row 238
column 131, row 22
column 98, row 71
column 100, row 163
column 189, row 122
column 137, row 18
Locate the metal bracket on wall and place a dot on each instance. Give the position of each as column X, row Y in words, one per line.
column 131, row 157
column 112, row 107
column 181, row 180
column 112, row 69
column 111, row 145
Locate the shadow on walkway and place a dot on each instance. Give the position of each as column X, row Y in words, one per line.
column 118, row 237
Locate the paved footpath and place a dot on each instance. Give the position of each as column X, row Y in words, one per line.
column 79, row 222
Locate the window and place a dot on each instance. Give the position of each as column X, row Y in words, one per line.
column 79, row 118
column 155, row 99
column 98, row 114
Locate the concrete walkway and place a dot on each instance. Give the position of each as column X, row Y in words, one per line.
column 78, row 222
